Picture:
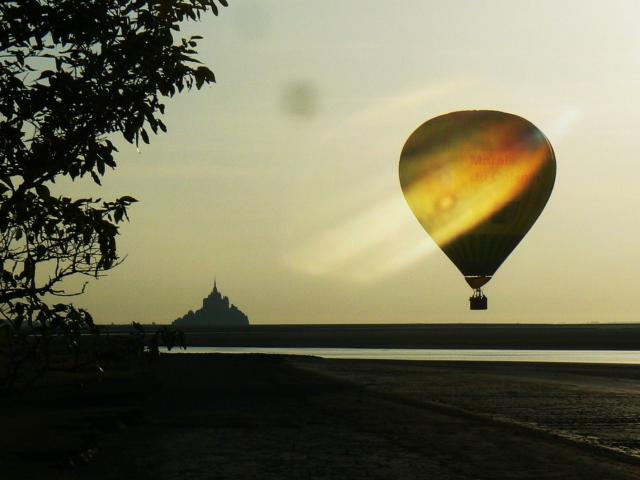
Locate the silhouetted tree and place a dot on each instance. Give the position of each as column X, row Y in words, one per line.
column 72, row 74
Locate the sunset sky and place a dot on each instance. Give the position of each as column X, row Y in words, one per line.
column 281, row 180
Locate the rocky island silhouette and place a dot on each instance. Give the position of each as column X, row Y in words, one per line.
column 216, row 310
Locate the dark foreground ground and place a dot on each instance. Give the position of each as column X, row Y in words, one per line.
column 268, row 417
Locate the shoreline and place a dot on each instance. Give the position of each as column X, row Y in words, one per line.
column 580, row 357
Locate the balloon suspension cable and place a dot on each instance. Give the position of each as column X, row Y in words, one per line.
column 478, row 301
column 477, row 293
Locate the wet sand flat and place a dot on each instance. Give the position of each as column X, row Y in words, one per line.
column 273, row 417
column 598, row 405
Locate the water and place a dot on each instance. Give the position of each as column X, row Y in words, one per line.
column 630, row 357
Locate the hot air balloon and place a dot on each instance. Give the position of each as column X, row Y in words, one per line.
column 477, row 181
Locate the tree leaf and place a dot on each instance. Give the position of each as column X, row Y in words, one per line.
column 43, row 191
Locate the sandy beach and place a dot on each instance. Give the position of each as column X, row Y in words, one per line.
column 272, row 417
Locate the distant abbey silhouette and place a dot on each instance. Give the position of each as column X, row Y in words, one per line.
column 216, row 311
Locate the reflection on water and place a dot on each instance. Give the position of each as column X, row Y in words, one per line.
column 472, row 355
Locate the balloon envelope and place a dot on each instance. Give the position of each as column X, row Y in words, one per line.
column 477, row 181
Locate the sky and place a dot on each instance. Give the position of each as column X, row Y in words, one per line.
column 281, row 180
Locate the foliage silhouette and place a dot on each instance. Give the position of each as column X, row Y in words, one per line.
column 73, row 73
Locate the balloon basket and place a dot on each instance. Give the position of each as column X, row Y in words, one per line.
column 478, row 301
